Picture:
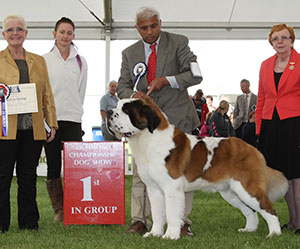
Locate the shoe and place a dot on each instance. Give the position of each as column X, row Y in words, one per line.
column 297, row 231
column 186, row 230
column 4, row 229
column 29, row 227
column 137, row 227
column 285, row 226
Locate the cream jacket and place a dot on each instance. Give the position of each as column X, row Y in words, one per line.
column 9, row 75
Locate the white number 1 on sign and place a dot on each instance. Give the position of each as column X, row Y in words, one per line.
column 87, row 189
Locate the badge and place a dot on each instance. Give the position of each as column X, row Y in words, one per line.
column 139, row 71
column 292, row 65
column 4, row 95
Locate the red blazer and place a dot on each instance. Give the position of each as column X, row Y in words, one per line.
column 286, row 99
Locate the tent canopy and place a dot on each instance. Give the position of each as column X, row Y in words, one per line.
column 198, row 19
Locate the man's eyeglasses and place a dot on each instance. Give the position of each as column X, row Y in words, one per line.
column 18, row 30
column 283, row 38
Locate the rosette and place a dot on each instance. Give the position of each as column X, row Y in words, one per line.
column 4, row 95
column 139, row 71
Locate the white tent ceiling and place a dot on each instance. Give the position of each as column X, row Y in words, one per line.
column 198, row 19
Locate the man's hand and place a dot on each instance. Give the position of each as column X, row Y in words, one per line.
column 139, row 95
column 157, row 84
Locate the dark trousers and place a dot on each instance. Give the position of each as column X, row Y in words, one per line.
column 238, row 131
column 67, row 131
column 25, row 153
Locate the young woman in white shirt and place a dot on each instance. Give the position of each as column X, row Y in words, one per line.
column 68, row 77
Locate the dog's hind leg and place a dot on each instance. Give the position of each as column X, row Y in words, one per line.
column 251, row 215
column 261, row 203
column 174, row 209
column 157, row 201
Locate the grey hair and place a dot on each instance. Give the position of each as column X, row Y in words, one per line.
column 245, row 81
column 112, row 81
column 146, row 12
column 17, row 17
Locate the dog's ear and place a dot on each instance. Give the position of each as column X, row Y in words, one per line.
column 153, row 120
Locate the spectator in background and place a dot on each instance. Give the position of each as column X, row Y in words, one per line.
column 219, row 123
column 201, row 108
column 244, row 104
column 108, row 102
column 22, row 145
column 209, row 102
column 278, row 115
column 68, row 77
column 204, row 131
column 249, row 130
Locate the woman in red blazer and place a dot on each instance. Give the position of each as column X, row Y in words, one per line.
column 278, row 115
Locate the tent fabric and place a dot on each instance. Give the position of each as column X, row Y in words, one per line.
column 198, row 19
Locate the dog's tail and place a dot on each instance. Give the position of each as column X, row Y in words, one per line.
column 277, row 184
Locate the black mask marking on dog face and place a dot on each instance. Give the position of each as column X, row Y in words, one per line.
column 141, row 116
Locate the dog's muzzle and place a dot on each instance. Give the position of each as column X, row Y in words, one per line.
column 109, row 114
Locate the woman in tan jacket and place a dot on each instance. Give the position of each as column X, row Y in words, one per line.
column 23, row 141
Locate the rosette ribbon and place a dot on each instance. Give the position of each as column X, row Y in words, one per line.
column 139, row 71
column 4, row 95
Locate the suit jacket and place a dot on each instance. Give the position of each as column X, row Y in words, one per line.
column 9, row 74
column 287, row 98
column 239, row 109
column 173, row 59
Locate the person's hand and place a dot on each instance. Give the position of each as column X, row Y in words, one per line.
column 139, row 95
column 51, row 136
column 157, row 84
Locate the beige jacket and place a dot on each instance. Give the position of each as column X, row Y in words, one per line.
column 9, row 75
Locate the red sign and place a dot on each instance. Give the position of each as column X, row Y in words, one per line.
column 94, row 191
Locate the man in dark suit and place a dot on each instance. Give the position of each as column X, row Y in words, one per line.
column 244, row 104
column 176, row 70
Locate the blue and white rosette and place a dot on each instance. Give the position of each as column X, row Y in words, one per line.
column 4, row 95
column 139, row 71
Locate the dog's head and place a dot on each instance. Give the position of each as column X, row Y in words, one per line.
column 132, row 116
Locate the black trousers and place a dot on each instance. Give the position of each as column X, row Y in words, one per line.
column 25, row 153
column 239, row 131
column 67, row 131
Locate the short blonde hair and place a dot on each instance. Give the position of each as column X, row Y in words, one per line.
column 279, row 27
column 19, row 18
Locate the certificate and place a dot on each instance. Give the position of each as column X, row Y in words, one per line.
column 22, row 99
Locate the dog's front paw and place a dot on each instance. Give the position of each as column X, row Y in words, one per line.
column 274, row 233
column 247, row 229
column 170, row 236
column 148, row 234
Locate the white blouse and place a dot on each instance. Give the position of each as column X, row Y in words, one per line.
column 68, row 82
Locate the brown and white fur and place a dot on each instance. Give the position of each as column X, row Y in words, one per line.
column 171, row 162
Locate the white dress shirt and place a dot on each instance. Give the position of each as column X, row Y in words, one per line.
column 68, row 84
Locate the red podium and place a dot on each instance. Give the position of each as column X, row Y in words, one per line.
column 94, row 191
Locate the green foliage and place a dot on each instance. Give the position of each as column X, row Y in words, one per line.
column 215, row 225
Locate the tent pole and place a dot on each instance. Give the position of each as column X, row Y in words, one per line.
column 107, row 58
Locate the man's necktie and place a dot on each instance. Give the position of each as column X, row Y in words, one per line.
column 152, row 64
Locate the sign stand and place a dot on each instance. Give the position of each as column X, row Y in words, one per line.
column 94, row 183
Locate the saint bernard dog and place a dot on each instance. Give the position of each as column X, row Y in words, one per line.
column 171, row 162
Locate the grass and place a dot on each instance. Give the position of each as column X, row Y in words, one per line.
column 215, row 225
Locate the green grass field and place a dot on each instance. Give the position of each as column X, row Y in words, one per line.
column 215, row 225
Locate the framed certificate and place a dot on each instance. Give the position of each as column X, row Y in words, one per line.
column 22, row 99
